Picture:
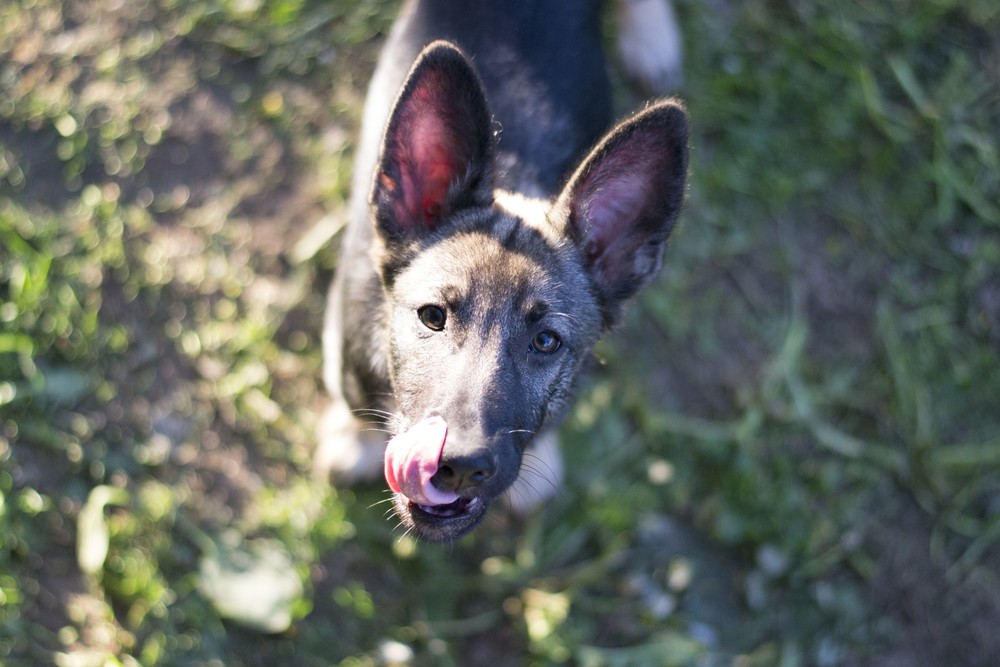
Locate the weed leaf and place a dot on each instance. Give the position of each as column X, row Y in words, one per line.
column 255, row 586
column 92, row 534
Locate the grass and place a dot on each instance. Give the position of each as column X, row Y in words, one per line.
column 790, row 457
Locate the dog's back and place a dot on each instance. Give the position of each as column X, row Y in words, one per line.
column 543, row 69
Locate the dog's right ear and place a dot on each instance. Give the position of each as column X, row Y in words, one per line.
column 437, row 149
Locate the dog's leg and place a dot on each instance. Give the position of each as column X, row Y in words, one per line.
column 649, row 43
column 348, row 450
column 541, row 474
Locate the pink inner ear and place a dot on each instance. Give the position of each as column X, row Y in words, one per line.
column 431, row 170
column 613, row 208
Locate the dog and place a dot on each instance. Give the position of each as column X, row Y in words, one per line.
column 497, row 228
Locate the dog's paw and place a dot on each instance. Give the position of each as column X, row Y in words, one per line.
column 345, row 453
column 541, row 475
column 649, row 42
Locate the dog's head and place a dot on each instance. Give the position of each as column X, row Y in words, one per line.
column 493, row 300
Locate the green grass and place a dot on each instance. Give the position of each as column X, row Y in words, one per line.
column 790, row 457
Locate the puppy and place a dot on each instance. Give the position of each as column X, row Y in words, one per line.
column 496, row 231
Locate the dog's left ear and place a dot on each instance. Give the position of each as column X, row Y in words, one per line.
column 622, row 202
column 437, row 150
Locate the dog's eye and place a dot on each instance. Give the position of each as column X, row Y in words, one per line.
column 432, row 317
column 545, row 342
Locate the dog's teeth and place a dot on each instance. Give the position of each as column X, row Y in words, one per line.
column 460, row 506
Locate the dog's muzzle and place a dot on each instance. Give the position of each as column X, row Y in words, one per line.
column 412, row 464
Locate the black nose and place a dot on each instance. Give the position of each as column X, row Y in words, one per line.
column 463, row 472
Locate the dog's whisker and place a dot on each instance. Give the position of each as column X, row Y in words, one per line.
column 530, row 485
column 374, row 412
column 380, row 502
column 389, row 513
column 374, row 422
column 372, row 429
column 533, row 475
column 374, row 419
column 531, row 459
column 406, row 533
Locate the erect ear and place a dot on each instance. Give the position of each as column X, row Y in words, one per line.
column 437, row 149
column 621, row 203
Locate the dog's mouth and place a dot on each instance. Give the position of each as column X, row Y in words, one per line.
column 451, row 510
column 440, row 523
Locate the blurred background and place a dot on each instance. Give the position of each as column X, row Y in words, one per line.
column 789, row 456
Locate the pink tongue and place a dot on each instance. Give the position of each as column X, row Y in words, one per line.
column 411, row 459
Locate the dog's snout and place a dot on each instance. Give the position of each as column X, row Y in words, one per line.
column 465, row 472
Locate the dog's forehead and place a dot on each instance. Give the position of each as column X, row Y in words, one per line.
column 499, row 254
